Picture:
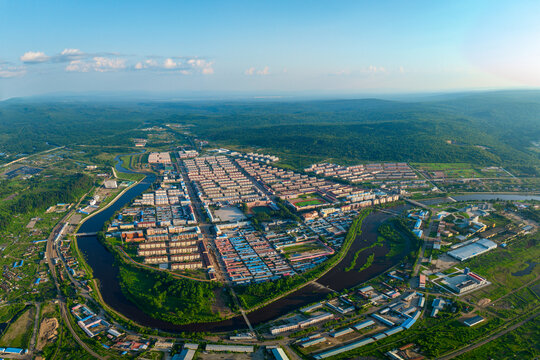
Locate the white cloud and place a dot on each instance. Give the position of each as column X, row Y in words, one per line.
column 253, row 71
column 78, row 66
column 375, row 69
column 208, row 70
column 79, row 61
column 34, row 57
column 71, row 52
column 103, row 64
column 11, row 71
column 150, row 63
column 69, row 55
column 264, row 71
column 98, row 63
column 170, row 64
column 184, row 66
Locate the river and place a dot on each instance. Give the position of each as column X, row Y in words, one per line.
column 106, row 271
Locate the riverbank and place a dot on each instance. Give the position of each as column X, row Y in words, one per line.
column 349, row 239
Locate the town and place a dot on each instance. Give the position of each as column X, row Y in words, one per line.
column 225, row 217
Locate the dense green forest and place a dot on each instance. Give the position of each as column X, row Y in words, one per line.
column 40, row 194
column 492, row 128
column 180, row 301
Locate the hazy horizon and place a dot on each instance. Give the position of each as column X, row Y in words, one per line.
column 348, row 48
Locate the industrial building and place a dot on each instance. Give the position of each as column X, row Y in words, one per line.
column 465, row 282
column 110, row 184
column 279, row 354
column 473, row 321
column 474, row 249
column 229, row 348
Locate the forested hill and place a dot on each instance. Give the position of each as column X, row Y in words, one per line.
column 497, row 128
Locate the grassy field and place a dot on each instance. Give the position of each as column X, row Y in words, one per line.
column 9, row 311
column 499, row 265
column 521, row 343
column 19, row 332
column 442, row 166
column 309, row 202
column 302, row 248
column 261, row 209
column 460, row 170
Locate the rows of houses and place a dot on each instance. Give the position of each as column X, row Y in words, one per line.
column 159, row 158
column 179, row 248
column 289, row 184
column 218, row 180
column 364, row 172
column 249, row 257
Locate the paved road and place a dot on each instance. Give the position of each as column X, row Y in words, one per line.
column 51, row 253
column 208, row 241
column 33, row 340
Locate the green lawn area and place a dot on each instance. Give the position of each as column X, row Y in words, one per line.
column 309, row 202
column 442, row 166
column 434, row 336
column 302, row 248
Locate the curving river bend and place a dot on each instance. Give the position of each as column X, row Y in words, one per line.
column 106, row 271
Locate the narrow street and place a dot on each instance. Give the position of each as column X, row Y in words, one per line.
column 208, row 240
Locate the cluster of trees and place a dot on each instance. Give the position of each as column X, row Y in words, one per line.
column 283, row 213
column 166, row 297
column 530, row 213
column 399, row 237
column 29, row 127
column 42, row 194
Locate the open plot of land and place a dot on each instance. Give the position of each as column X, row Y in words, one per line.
column 230, row 214
column 23, row 170
column 19, row 332
column 459, row 170
column 48, row 328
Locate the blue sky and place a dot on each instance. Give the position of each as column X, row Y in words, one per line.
column 267, row 47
